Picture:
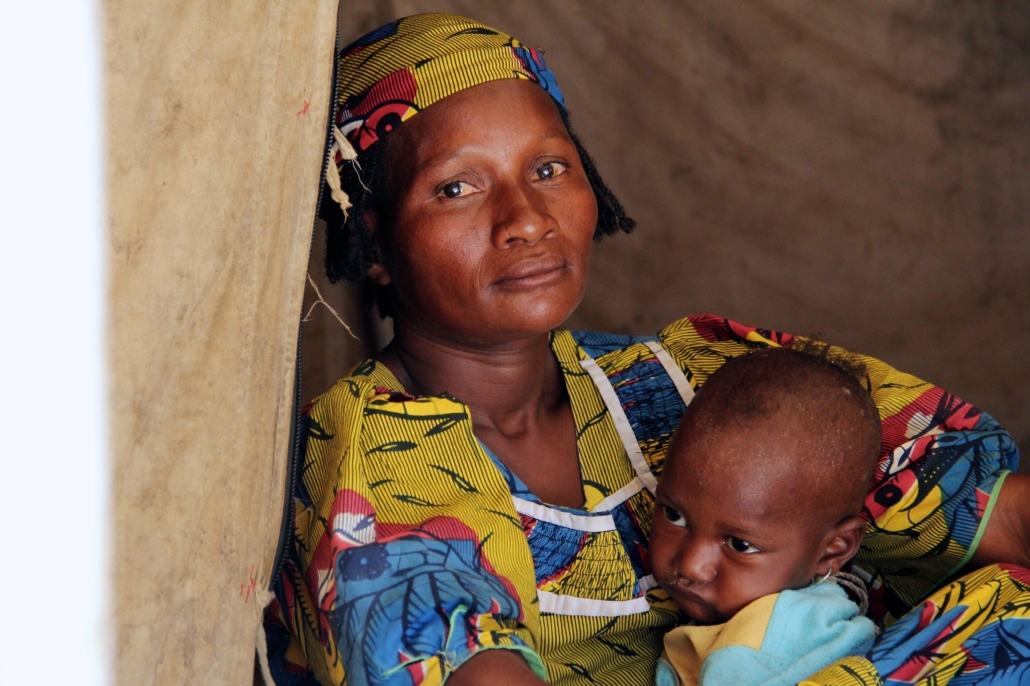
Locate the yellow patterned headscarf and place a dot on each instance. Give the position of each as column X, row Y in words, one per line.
column 389, row 75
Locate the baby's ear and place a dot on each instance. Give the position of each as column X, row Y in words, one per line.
column 841, row 544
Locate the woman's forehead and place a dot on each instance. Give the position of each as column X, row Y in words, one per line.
column 480, row 117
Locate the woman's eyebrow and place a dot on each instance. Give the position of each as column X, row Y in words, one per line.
column 445, row 156
column 442, row 157
column 557, row 132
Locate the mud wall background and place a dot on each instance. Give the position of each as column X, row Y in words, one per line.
column 860, row 170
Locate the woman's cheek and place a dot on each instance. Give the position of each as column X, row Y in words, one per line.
column 439, row 264
column 581, row 216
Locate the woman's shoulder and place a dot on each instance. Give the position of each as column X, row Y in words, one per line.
column 702, row 343
column 335, row 416
column 698, row 343
column 706, row 330
column 695, row 330
column 357, row 388
column 367, row 380
column 371, row 389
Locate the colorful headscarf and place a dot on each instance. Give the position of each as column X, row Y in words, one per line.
column 389, row 75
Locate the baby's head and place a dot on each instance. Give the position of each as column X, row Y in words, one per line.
column 764, row 481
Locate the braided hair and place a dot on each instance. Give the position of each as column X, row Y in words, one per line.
column 351, row 249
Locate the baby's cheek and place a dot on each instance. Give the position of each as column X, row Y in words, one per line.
column 740, row 587
column 662, row 552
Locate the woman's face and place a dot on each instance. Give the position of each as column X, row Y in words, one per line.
column 492, row 218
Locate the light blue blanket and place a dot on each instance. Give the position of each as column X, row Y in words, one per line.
column 808, row 630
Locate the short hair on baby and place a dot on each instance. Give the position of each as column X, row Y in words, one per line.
column 816, row 392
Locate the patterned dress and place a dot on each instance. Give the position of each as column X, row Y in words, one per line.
column 414, row 547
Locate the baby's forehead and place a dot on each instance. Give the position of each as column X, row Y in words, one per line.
column 780, row 441
column 768, row 466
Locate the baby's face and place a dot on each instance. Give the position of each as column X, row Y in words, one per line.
column 730, row 528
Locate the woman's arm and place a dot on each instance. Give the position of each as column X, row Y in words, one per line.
column 1006, row 537
column 491, row 667
column 406, row 563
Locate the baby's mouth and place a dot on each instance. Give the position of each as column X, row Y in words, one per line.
column 695, row 606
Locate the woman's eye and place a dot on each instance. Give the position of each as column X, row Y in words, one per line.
column 739, row 545
column 549, row 170
column 675, row 517
column 455, row 189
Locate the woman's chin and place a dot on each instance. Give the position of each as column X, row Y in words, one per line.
column 539, row 310
column 515, row 329
column 538, row 316
column 498, row 320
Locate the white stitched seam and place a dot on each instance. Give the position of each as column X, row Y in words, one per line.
column 622, row 425
column 543, row 513
column 679, row 379
column 585, row 607
column 620, row 496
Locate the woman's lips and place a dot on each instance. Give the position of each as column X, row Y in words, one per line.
column 534, row 272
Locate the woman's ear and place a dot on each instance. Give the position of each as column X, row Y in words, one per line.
column 840, row 545
column 377, row 272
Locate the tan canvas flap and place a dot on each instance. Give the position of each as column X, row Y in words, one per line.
column 216, row 115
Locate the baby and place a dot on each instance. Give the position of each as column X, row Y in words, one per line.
column 757, row 509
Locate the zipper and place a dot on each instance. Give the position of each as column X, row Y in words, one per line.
column 298, row 426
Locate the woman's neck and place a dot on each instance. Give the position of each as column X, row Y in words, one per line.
column 506, row 386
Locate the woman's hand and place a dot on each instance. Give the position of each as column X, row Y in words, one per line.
column 1007, row 536
column 491, row 667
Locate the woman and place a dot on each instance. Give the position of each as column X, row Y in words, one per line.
column 474, row 504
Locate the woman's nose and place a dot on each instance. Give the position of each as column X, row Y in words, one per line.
column 697, row 561
column 520, row 216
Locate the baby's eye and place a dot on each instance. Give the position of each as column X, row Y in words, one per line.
column 675, row 517
column 549, row 170
column 739, row 545
column 456, row 189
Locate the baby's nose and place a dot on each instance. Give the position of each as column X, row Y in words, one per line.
column 698, row 562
